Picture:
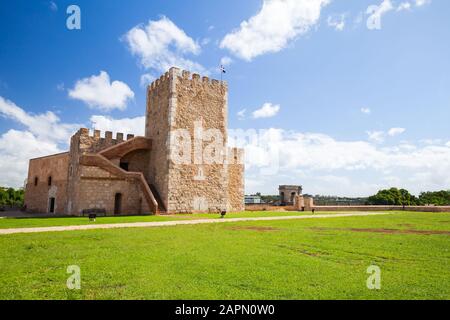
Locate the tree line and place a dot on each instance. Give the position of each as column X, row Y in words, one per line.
column 392, row 196
column 11, row 197
column 402, row 197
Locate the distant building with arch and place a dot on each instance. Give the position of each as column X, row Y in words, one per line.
column 288, row 194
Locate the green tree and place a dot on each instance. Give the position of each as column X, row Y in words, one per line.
column 393, row 196
column 11, row 197
column 438, row 198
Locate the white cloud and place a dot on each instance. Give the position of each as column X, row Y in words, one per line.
column 241, row 114
column 361, row 167
column 366, row 110
column 337, row 21
column 267, row 110
column 376, row 12
column 308, row 150
column 44, row 134
column 134, row 126
column 404, row 6
column 396, row 131
column 408, row 5
column 16, row 149
column 45, row 126
column 225, row 61
column 160, row 45
column 376, row 136
column 431, row 141
column 379, row 136
column 273, row 27
column 99, row 92
column 420, row 3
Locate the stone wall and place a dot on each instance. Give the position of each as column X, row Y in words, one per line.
column 37, row 196
column 236, row 180
column 303, row 203
column 268, row 207
column 98, row 189
column 138, row 161
column 384, row 208
column 307, row 204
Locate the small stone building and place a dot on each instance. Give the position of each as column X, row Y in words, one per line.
column 288, row 194
column 181, row 165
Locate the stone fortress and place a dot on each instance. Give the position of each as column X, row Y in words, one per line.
column 291, row 195
column 182, row 165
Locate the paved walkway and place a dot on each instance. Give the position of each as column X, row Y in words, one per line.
column 183, row 222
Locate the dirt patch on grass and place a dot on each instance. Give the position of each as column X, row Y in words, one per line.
column 389, row 231
column 311, row 254
column 306, row 250
column 259, row 229
column 314, row 253
column 408, row 225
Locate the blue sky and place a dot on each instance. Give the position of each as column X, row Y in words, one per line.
column 353, row 95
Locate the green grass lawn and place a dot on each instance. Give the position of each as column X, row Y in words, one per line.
column 69, row 221
column 295, row 259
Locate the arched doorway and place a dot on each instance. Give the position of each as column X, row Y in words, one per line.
column 51, row 205
column 293, row 194
column 117, row 203
column 282, row 200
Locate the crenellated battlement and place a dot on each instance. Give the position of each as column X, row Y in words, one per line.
column 174, row 72
column 107, row 136
column 160, row 82
column 95, row 142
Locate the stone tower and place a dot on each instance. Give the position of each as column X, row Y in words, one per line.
column 190, row 166
column 182, row 165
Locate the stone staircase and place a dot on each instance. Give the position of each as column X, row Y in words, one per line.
column 161, row 208
column 100, row 161
column 121, row 149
